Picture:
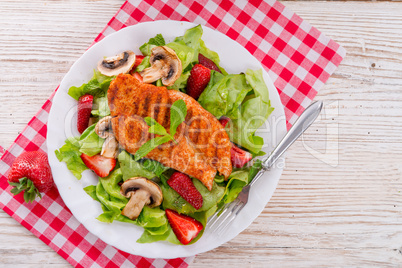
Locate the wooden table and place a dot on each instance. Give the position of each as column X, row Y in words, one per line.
column 345, row 211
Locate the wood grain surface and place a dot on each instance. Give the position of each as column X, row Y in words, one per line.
column 339, row 201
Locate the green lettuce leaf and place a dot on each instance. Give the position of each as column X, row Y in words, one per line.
column 97, row 86
column 212, row 55
column 91, row 191
column 131, row 168
column 143, row 65
column 100, row 107
column 158, row 40
column 146, row 48
column 153, row 166
column 172, row 200
column 70, row 154
column 181, row 83
column 252, row 114
column 224, row 94
column 90, row 143
column 169, row 236
column 111, row 185
column 108, row 216
column 192, row 38
column 237, row 180
column 156, row 226
column 187, row 55
column 152, row 217
column 110, row 203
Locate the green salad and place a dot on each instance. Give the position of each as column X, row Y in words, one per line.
column 234, row 97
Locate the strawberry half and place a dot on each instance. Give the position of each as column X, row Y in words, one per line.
column 184, row 186
column 207, row 63
column 198, row 80
column 84, row 112
column 30, row 173
column 184, row 227
column 99, row 164
column 138, row 60
column 239, row 157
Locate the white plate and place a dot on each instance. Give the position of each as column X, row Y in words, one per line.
column 62, row 124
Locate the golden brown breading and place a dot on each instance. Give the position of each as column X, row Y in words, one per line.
column 203, row 145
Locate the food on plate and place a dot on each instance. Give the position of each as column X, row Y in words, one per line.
column 171, row 139
column 165, row 65
column 239, row 157
column 204, row 61
column 141, row 192
column 199, row 135
column 198, row 80
column 30, row 173
column 184, row 186
column 184, row 227
column 84, row 112
column 103, row 129
column 138, row 61
column 119, row 64
column 102, row 166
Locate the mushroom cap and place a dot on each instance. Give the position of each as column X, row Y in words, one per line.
column 137, row 183
column 121, row 63
column 165, row 64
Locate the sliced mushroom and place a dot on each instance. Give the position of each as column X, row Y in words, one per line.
column 104, row 127
column 142, row 192
column 110, row 147
column 104, row 130
column 121, row 63
column 164, row 64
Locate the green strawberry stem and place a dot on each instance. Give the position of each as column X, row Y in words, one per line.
column 26, row 185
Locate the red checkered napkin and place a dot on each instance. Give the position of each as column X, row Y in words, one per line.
column 298, row 58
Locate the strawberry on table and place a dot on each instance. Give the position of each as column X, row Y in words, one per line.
column 207, row 63
column 184, row 227
column 99, row 164
column 239, row 157
column 30, row 173
column 84, row 112
column 198, row 80
column 184, row 186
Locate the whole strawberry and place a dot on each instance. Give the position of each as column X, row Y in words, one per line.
column 198, row 80
column 207, row 63
column 84, row 112
column 30, row 173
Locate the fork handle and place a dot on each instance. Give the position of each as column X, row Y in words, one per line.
column 302, row 123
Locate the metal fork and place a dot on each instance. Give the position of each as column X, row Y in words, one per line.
column 225, row 216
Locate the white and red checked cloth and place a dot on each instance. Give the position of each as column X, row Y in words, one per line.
column 298, row 58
